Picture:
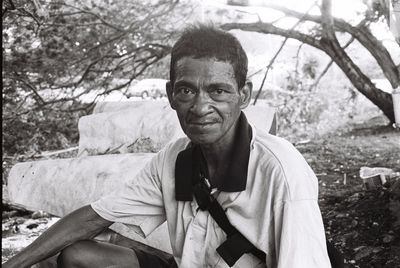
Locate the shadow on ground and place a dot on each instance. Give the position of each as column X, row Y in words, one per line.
column 362, row 224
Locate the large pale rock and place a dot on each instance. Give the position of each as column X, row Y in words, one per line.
column 142, row 125
column 147, row 124
column 115, row 106
column 61, row 186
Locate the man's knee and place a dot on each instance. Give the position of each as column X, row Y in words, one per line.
column 90, row 253
column 76, row 255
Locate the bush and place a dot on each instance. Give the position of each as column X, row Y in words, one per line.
column 37, row 131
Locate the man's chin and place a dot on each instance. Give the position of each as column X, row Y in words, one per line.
column 202, row 139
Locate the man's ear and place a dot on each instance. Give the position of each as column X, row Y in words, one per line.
column 245, row 94
column 169, row 94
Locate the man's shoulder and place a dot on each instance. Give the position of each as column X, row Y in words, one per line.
column 172, row 149
column 279, row 157
column 177, row 145
column 277, row 147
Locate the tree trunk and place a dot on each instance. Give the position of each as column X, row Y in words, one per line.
column 360, row 81
column 359, row 32
column 332, row 48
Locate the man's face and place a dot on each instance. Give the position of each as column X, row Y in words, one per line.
column 207, row 100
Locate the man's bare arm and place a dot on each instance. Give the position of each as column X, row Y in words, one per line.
column 81, row 224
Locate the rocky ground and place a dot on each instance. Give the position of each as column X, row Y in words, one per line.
column 364, row 225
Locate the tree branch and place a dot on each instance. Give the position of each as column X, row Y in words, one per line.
column 315, row 84
column 267, row 28
column 85, row 11
column 268, row 68
column 32, row 88
column 361, row 33
column 330, row 45
column 276, row 55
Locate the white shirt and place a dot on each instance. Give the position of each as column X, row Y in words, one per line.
column 278, row 211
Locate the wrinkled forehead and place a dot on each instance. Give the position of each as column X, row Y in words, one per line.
column 204, row 69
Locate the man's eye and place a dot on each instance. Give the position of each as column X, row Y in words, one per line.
column 218, row 91
column 185, row 90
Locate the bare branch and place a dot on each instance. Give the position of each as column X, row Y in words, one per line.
column 361, row 33
column 267, row 28
column 32, row 88
column 275, row 56
column 315, row 84
column 86, row 11
column 297, row 59
column 268, row 68
column 29, row 14
column 330, row 45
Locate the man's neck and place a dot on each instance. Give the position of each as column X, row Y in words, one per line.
column 218, row 157
column 217, row 163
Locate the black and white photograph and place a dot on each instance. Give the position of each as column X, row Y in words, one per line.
column 200, row 133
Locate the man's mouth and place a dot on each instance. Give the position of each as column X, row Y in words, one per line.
column 202, row 123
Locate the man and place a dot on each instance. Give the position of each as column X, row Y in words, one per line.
column 265, row 186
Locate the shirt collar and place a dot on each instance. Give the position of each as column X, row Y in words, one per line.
column 189, row 162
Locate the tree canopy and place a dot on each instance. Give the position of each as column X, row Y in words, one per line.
column 72, row 47
column 54, row 52
column 323, row 35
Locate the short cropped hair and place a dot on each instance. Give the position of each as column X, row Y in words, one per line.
column 204, row 41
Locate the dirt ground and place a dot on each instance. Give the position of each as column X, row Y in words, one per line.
column 362, row 224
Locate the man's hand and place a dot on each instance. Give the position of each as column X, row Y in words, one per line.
column 81, row 224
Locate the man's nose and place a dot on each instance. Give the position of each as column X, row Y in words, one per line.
column 201, row 104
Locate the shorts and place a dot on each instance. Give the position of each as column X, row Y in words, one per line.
column 149, row 260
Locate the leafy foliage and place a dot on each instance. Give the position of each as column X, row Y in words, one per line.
column 56, row 52
column 300, row 108
column 38, row 131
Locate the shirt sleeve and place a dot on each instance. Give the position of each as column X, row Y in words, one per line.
column 299, row 235
column 139, row 202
